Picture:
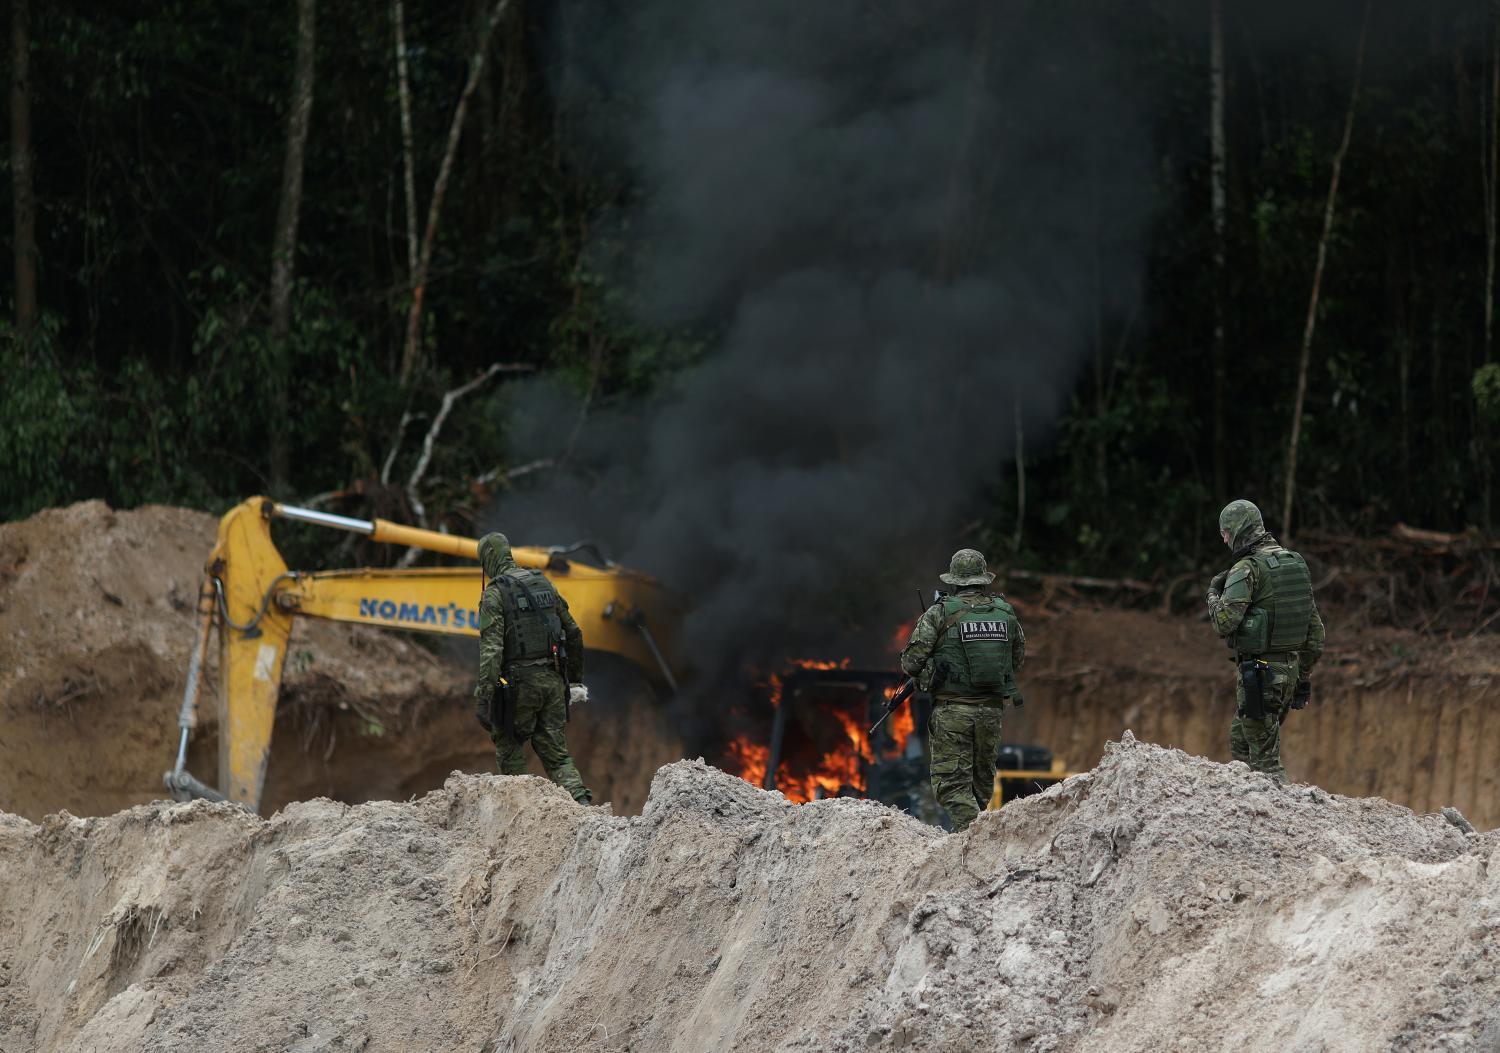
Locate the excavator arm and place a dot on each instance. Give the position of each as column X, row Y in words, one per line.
column 253, row 599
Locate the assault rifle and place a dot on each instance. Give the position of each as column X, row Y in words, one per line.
column 909, row 686
column 894, row 702
column 908, row 689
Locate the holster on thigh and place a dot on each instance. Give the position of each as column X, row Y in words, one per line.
column 507, row 699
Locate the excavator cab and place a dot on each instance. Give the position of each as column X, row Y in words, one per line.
column 253, row 599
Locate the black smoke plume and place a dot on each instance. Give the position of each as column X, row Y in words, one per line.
column 899, row 222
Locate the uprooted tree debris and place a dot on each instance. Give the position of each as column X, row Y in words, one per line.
column 1410, row 578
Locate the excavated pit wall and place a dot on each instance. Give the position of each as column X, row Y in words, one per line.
column 1414, row 720
column 96, row 622
column 1160, row 901
column 1424, row 740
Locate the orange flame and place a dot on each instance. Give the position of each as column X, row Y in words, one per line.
column 902, row 636
column 819, row 663
column 840, row 768
column 749, row 758
column 902, row 725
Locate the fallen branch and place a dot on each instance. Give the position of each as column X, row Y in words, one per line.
column 1424, row 537
column 1441, row 541
column 1407, row 539
column 1075, row 581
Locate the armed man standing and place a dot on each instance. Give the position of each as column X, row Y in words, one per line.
column 528, row 641
column 1263, row 608
column 966, row 650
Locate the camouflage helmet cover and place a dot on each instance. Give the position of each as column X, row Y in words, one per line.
column 1242, row 521
column 967, row 568
column 494, row 554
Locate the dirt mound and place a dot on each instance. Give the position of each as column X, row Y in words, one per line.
column 1159, row 899
column 96, row 624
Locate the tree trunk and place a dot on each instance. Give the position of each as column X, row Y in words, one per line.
column 412, row 350
column 1488, row 163
column 284, row 245
column 1312, row 302
column 1491, row 165
column 1217, row 170
column 23, row 190
column 408, row 161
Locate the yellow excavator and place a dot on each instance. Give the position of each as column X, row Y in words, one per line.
column 251, row 597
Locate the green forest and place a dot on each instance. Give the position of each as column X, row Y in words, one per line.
column 323, row 250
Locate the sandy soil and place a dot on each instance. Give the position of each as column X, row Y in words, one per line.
column 1160, row 901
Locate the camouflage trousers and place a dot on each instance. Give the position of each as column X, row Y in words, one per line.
column 963, row 741
column 1258, row 742
column 541, row 716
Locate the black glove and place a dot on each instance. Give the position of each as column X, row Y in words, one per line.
column 482, row 702
column 1017, row 701
column 1302, row 694
column 1215, row 587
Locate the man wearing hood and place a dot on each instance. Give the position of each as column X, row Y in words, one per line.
column 966, row 649
column 1263, row 608
column 528, row 641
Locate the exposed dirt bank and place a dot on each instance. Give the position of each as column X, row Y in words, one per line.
column 96, row 623
column 1415, row 720
column 1161, row 901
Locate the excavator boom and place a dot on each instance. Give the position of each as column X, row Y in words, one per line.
column 253, row 599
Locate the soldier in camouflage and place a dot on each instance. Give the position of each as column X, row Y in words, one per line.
column 1263, row 608
column 523, row 624
column 966, row 650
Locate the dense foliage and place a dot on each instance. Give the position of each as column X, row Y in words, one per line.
column 159, row 134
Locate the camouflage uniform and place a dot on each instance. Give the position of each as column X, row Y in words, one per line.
column 1258, row 742
column 539, row 692
column 964, row 734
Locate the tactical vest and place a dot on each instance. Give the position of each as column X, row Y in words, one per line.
column 975, row 641
column 532, row 625
column 1280, row 612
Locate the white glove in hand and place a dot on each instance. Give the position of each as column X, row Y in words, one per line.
column 577, row 693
